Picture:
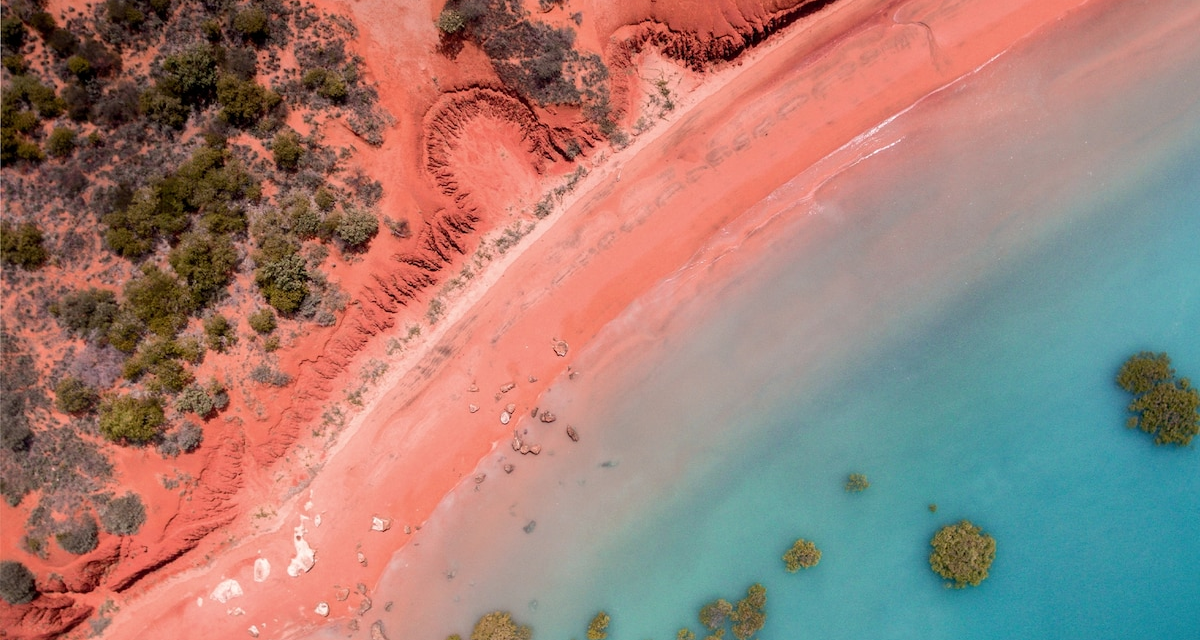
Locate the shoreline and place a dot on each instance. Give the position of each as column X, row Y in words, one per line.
column 430, row 389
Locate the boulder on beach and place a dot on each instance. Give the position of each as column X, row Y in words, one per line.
column 262, row 569
column 380, row 524
column 507, row 386
column 560, row 348
column 305, row 558
column 226, row 590
column 505, row 417
column 572, row 434
column 547, row 417
column 322, row 609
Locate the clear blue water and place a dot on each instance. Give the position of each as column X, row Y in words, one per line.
column 947, row 316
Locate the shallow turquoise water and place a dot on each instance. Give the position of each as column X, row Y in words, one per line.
column 946, row 316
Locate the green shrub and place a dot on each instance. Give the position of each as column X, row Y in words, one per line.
column 79, row 536
column 87, row 313
column 356, row 228
column 244, row 102
column 17, row 585
column 124, row 516
column 857, row 483
column 324, row 199
column 194, row 399
column 750, row 614
column 262, row 321
column 63, row 43
column 73, row 395
column 205, row 262
column 163, row 108
column 124, row 12
column 61, row 142
column 22, row 245
column 15, row 64
column 126, row 419
column 30, row 152
column 284, row 283
column 451, row 21
column 716, row 614
column 1163, row 406
column 252, row 23
column 159, row 301
column 597, row 627
column 220, row 332
column 12, row 32
column 962, row 553
column 803, row 555
column 287, row 150
column 191, row 75
column 499, row 625
column 333, row 87
column 43, row 23
column 79, row 67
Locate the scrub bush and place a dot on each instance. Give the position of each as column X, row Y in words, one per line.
column 130, row 420
column 79, row 536
column 124, row 516
column 1162, row 405
column 16, row 583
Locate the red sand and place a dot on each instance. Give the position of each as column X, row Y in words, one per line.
column 638, row 218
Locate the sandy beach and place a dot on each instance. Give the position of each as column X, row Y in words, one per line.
column 642, row 214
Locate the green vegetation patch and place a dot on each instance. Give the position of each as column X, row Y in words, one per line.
column 16, row 583
column 130, row 420
column 597, row 628
column 1163, row 405
column 962, row 554
column 499, row 625
column 857, row 483
column 803, row 555
column 21, row 245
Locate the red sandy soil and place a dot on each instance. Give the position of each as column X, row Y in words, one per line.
column 462, row 160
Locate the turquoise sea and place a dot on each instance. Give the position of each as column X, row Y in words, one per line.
column 946, row 315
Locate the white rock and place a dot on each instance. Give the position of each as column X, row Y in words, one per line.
column 262, row 569
column 236, row 611
column 305, row 556
column 322, row 608
column 226, row 590
column 380, row 524
column 253, row 630
column 199, row 602
column 317, row 520
column 472, row 408
column 505, row 417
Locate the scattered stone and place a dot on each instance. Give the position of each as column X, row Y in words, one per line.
column 524, row 449
column 572, row 375
column 472, row 408
column 473, row 388
column 342, row 594
column 305, row 556
column 322, row 609
column 507, row 386
column 532, row 379
column 317, row 520
column 226, row 590
column 479, row 478
column 533, row 414
column 572, row 434
column 362, row 558
column 560, row 348
column 508, row 468
column 609, row 464
column 253, row 630
column 547, row 417
column 531, row 526
column 361, row 588
column 377, row 631
column 388, row 607
column 516, row 442
column 505, row 417
column 511, row 408
column 380, row 524
column 262, row 569
column 407, row 530
column 535, row 449
column 236, row 611
column 364, row 606
column 352, row 625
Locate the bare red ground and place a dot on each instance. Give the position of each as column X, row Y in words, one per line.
column 641, row 215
